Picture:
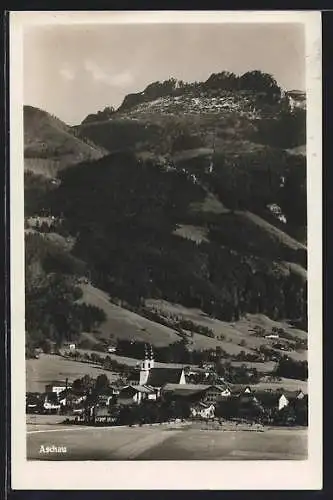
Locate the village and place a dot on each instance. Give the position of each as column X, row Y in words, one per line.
column 150, row 394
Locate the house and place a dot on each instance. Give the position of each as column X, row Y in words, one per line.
column 103, row 416
column 71, row 398
column 208, row 394
column 135, row 394
column 202, row 410
column 240, row 389
column 104, row 399
column 57, row 386
column 33, row 402
column 277, row 399
column 215, row 392
column 297, row 99
column 115, row 389
column 294, row 395
column 51, row 403
column 69, row 346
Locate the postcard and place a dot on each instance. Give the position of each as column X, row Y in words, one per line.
column 166, row 273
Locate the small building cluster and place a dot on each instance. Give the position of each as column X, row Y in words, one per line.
column 150, row 386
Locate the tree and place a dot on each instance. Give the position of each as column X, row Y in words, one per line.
column 102, row 382
column 259, row 82
column 222, row 81
column 289, row 368
column 46, row 345
column 293, row 196
column 87, row 382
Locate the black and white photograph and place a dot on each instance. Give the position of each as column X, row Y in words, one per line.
column 166, row 267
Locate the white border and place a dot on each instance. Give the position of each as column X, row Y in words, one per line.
column 248, row 475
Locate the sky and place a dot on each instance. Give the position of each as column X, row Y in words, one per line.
column 72, row 71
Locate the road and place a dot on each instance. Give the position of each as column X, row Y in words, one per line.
column 164, row 442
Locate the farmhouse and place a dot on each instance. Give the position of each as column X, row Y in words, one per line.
column 71, row 398
column 277, row 400
column 102, row 415
column 57, row 386
column 202, row 410
column 33, row 402
column 135, row 394
column 297, row 99
column 199, row 393
column 239, row 389
column 51, row 403
column 70, row 346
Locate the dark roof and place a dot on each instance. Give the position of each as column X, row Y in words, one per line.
column 106, row 391
column 267, row 397
column 184, row 389
column 160, row 376
column 127, row 391
column 292, row 394
column 201, row 405
column 58, row 383
column 134, row 375
column 239, row 388
column 72, row 393
column 301, row 93
column 144, row 389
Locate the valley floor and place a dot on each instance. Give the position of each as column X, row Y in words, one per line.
column 163, row 442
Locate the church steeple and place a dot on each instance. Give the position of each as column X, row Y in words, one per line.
column 146, row 365
column 146, row 362
column 152, row 362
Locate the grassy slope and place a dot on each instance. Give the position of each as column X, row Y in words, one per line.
column 124, row 324
column 189, row 232
column 49, row 143
column 234, row 332
column 273, row 232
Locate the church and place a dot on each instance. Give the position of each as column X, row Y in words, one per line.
column 150, row 376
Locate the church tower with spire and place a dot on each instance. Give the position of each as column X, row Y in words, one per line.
column 146, row 365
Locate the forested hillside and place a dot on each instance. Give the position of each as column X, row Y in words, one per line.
column 209, row 159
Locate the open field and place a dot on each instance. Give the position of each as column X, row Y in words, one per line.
column 211, row 204
column 42, row 166
column 49, row 367
column 166, row 442
column 194, row 233
column 288, row 384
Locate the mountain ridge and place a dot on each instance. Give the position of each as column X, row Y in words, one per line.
column 50, row 144
column 176, row 207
